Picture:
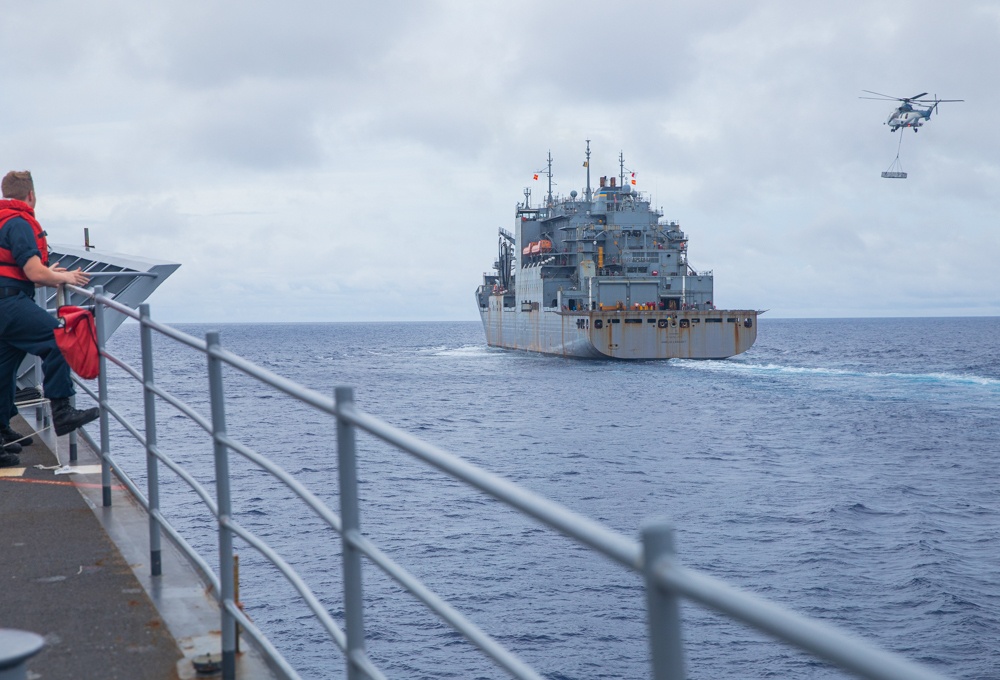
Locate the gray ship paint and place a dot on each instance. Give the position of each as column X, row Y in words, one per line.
column 604, row 277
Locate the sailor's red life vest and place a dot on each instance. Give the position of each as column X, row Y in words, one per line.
column 76, row 337
column 9, row 209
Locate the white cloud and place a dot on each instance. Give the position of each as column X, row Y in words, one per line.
column 338, row 161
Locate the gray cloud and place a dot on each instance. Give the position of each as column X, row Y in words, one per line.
column 372, row 150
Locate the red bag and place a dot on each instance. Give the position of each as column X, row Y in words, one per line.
column 77, row 340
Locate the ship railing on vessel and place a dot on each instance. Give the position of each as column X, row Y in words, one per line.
column 652, row 558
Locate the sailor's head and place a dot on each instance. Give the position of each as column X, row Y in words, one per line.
column 18, row 184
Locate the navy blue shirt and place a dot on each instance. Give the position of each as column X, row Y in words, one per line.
column 18, row 237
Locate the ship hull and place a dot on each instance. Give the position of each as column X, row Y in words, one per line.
column 636, row 335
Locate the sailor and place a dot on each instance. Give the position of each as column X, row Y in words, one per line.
column 24, row 326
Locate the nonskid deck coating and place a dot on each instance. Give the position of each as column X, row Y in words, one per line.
column 64, row 579
column 66, row 565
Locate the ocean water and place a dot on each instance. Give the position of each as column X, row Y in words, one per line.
column 844, row 468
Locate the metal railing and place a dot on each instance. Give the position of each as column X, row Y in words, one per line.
column 653, row 558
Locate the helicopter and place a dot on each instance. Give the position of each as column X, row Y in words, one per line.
column 906, row 114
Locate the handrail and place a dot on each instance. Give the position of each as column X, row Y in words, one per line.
column 653, row 558
column 619, row 548
column 121, row 273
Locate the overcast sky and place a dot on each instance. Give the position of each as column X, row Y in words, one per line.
column 346, row 161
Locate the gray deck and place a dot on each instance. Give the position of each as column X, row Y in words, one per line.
column 66, row 565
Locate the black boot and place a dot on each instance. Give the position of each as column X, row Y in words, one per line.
column 11, row 435
column 8, row 446
column 9, row 459
column 65, row 418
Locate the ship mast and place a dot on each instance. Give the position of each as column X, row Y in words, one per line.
column 550, row 178
column 586, row 164
column 623, row 170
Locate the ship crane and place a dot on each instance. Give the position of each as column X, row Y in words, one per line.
column 505, row 260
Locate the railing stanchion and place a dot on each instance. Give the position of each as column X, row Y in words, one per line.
column 351, row 523
column 226, row 580
column 102, row 394
column 41, row 415
column 666, row 646
column 74, row 438
column 152, row 465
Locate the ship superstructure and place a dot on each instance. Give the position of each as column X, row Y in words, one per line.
column 604, row 275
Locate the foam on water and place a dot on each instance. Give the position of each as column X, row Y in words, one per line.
column 470, row 351
column 778, row 369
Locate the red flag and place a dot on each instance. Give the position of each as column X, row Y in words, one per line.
column 536, row 175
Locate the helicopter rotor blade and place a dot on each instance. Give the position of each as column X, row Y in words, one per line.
column 886, row 96
column 916, row 97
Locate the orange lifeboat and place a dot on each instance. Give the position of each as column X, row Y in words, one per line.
column 526, row 250
column 544, row 246
column 536, row 247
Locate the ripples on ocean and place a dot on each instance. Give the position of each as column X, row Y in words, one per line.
column 845, row 468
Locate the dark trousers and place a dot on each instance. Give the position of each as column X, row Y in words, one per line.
column 26, row 328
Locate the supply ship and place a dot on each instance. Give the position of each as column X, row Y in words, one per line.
column 604, row 276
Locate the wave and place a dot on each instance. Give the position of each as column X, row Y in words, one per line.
column 463, row 351
column 778, row 369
